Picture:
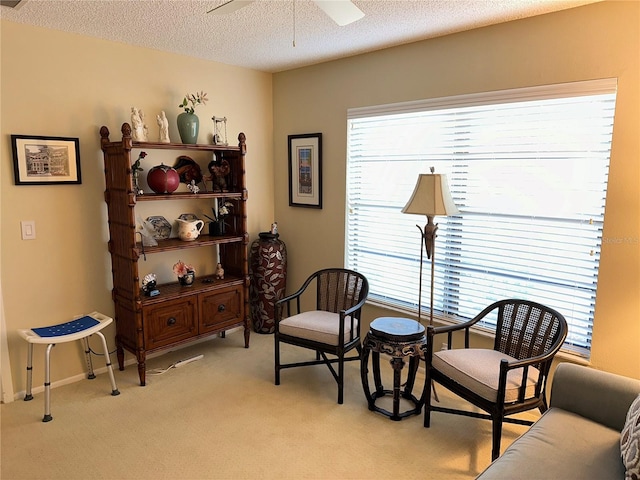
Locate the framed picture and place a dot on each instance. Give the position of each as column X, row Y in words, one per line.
column 305, row 170
column 45, row 160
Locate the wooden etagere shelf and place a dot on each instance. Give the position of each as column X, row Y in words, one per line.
column 184, row 146
column 187, row 196
column 176, row 244
column 179, row 314
column 174, row 291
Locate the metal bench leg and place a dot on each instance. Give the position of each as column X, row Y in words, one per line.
column 47, row 384
column 114, row 388
column 28, row 395
column 87, row 356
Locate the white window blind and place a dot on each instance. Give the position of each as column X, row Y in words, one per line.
column 527, row 169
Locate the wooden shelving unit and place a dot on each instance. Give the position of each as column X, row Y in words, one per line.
column 178, row 314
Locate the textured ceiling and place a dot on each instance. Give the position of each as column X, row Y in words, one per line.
column 260, row 36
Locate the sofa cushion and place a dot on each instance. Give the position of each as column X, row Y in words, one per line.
column 630, row 441
column 600, row 396
column 561, row 445
column 479, row 371
column 317, row 326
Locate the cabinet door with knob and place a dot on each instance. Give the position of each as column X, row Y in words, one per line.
column 220, row 309
column 170, row 322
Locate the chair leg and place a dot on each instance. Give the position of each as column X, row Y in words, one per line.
column 497, row 436
column 277, row 358
column 87, row 356
column 341, row 379
column 114, row 388
column 28, row 395
column 47, row 384
column 428, row 385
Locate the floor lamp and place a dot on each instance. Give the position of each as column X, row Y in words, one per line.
column 430, row 197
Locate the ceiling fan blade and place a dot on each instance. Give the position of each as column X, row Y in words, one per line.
column 343, row 12
column 230, row 7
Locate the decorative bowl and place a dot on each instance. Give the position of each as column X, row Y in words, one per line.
column 161, row 227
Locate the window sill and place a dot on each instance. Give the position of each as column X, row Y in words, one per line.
column 565, row 355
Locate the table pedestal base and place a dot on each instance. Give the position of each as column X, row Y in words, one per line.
column 399, row 338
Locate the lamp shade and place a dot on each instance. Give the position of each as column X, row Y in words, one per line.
column 431, row 196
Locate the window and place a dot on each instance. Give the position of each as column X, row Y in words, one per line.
column 527, row 169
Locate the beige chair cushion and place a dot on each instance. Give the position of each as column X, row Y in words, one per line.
column 318, row 326
column 479, row 370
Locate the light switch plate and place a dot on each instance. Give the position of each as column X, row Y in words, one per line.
column 28, row 229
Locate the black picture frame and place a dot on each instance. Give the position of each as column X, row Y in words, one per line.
column 39, row 160
column 305, row 170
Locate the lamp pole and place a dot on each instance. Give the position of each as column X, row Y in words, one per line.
column 429, row 236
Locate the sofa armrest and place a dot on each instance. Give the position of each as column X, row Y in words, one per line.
column 599, row 396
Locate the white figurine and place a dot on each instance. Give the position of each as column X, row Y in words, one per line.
column 163, row 123
column 193, row 187
column 220, row 272
column 137, row 125
column 274, row 228
column 145, row 130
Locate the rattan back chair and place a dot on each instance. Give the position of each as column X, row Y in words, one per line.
column 331, row 328
column 509, row 379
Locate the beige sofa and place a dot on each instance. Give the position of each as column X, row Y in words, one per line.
column 579, row 436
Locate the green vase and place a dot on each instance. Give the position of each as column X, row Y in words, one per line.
column 188, row 126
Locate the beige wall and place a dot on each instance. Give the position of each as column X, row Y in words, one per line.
column 57, row 84
column 595, row 41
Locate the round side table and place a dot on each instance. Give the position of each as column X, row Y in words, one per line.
column 399, row 338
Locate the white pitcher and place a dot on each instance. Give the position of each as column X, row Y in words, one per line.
column 188, row 230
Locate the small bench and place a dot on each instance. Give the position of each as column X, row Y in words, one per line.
column 79, row 329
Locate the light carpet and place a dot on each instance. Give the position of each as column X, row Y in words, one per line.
column 222, row 417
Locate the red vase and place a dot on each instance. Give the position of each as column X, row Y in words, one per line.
column 162, row 179
column 268, row 272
